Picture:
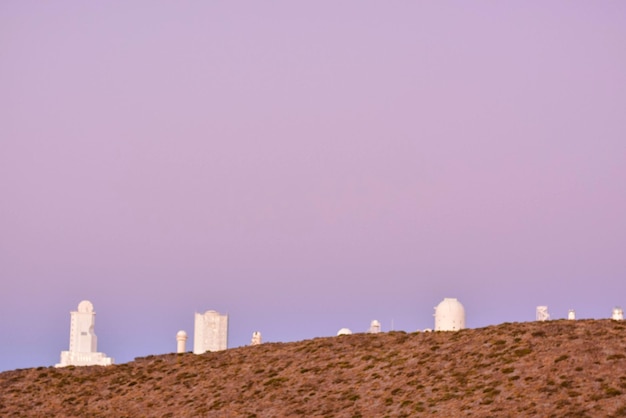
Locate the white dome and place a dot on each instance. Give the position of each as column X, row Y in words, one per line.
column 449, row 315
column 181, row 333
column 344, row 331
column 85, row 306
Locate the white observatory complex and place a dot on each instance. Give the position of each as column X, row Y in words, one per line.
column 210, row 332
column 449, row 315
column 83, row 341
column 181, row 341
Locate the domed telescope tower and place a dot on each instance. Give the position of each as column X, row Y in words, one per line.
column 83, row 341
column 449, row 315
column 375, row 327
column 181, row 341
column 618, row 314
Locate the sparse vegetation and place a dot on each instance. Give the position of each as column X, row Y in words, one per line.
column 525, row 369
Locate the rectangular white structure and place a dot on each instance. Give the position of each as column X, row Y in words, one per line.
column 210, row 332
column 542, row 313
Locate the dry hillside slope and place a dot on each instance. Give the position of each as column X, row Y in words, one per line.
column 555, row 368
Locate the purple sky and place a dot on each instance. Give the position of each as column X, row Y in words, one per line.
column 305, row 167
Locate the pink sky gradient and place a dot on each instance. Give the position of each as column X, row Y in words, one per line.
column 305, row 167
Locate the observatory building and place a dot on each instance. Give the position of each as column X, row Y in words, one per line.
column 181, row 341
column 375, row 327
column 344, row 331
column 83, row 341
column 210, row 332
column 541, row 313
column 618, row 314
column 449, row 315
column 256, row 338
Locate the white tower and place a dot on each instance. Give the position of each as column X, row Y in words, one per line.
column 83, row 340
column 210, row 332
column 542, row 313
column 618, row 314
column 449, row 315
column 571, row 314
column 256, row 338
column 375, row 327
column 181, row 341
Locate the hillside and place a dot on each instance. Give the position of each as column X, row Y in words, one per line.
column 555, row 368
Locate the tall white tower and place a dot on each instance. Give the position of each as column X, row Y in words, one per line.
column 449, row 315
column 210, row 332
column 541, row 314
column 256, row 338
column 83, row 340
column 181, row 341
column 571, row 314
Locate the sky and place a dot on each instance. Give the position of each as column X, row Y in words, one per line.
column 305, row 166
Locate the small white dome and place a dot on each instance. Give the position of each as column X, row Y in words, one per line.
column 181, row 333
column 344, row 331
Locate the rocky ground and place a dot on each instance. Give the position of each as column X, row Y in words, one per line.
column 555, row 368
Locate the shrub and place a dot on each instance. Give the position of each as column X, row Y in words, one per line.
column 609, row 391
column 522, row 352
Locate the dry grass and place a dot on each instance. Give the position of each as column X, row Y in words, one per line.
column 555, row 368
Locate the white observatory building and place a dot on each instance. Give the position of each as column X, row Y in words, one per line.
column 541, row 313
column 449, row 315
column 210, row 332
column 83, row 341
column 618, row 314
column 344, row 331
column 181, row 341
column 375, row 327
column 256, row 338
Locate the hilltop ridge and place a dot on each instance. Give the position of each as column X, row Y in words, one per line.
column 553, row 368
